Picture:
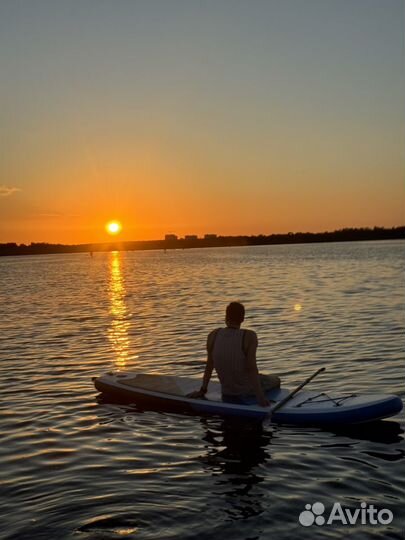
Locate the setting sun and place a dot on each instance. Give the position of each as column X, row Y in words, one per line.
column 113, row 227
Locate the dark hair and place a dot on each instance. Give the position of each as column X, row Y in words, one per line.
column 235, row 312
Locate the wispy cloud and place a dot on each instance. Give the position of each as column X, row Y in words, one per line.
column 6, row 191
column 54, row 215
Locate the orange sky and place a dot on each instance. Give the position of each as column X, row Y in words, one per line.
column 232, row 120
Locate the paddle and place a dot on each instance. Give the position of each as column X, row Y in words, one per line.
column 292, row 394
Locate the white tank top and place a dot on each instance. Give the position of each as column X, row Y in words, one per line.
column 230, row 362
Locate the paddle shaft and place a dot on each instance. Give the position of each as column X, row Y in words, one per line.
column 292, row 394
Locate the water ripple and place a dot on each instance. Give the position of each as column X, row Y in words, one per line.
column 76, row 466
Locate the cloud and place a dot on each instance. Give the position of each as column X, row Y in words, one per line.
column 49, row 215
column 54, row 215
column 6, row 191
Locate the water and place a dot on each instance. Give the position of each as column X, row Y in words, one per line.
column 77, row 467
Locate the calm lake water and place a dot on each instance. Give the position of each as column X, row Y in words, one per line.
column 77, row 467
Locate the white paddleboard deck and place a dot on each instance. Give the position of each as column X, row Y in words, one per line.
column 306, row 407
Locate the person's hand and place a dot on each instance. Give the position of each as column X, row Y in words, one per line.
column 197, row 394
column 263, row 402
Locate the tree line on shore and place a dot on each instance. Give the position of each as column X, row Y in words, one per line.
column 341, row 235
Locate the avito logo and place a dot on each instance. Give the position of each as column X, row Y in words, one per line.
column 365, row 515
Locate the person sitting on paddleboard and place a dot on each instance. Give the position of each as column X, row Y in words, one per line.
column 232, row 353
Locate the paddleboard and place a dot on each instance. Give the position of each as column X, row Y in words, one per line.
column 305, row 408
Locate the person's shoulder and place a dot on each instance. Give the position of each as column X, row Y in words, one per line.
column 213, row 333
column 251, row 336
column 211, row 337
column 250, row 333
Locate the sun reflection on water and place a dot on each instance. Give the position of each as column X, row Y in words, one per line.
column 118, row 331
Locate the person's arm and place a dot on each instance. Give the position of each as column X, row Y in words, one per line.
column 253, row 372
column 207, row 373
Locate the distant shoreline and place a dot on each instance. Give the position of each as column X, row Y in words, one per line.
column 342, row 235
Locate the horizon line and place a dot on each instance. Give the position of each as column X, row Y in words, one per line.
column 208, row 236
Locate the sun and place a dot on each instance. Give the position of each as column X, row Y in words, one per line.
column 113, row 227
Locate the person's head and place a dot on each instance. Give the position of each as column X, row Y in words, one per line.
column 235, row 314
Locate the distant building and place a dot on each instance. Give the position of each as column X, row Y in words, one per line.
column 170, row 237
column 191, row 237
column 210, row 236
